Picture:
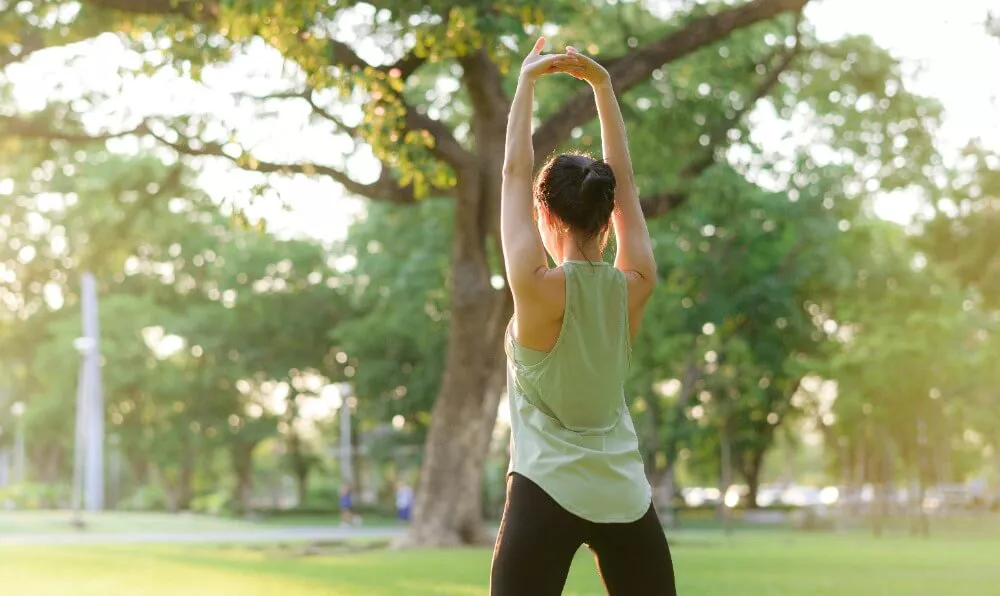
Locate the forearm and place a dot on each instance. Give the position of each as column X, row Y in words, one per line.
column 614, row 140
column 634, row 248
column 519, row 156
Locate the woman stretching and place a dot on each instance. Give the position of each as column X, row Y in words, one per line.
column 576, row 475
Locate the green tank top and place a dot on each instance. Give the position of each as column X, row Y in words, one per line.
column 571, row 431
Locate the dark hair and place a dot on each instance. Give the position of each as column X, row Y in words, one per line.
column 579, row 190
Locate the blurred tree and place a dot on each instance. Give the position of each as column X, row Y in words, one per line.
column 378, row 59
column 426, row 90
column 398, row 284
column 244, row 310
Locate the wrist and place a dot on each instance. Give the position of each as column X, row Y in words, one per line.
column 524, row 79
column 603, row 85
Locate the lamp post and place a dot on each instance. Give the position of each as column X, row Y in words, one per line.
column 93, row 480
column 83, row 345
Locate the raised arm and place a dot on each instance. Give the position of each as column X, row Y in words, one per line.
column 524, row 255
column 635, row 251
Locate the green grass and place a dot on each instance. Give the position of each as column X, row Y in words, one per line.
column 754, row 564
column 58, row 522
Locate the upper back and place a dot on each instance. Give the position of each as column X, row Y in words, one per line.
column 580, row 380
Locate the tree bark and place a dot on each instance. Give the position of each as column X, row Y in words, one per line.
column 300, row 465
column 241, row 454
column 448, row 506
column 51, row 459
column 185, row 478
column 726, row 474
column 654, row 472
column 751, row 474
column 357, row 460
column 672, row 442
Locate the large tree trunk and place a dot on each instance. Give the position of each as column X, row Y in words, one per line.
column 242, row 461
column 51, row 464
column 185, row 490
column 668, row 485
column 654, row 471
column 448, row 505
column 297, row 455
column 751, row 473
column 302, row 485
column 726, row 474
column 357, row 461
column 300, row 466
column 881, row 463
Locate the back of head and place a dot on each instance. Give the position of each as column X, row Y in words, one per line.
column 579, row 191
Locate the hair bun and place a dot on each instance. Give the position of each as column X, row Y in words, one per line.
column 597, row 193
column 579, row 192
column 598, row 183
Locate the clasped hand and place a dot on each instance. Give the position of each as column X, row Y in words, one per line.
column 571, row 62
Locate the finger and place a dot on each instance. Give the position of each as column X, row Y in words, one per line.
column 539, row 46
column 571, row 50
column 550, row 59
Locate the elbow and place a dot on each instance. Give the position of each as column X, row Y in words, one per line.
column 653, row 275
column 650, row 274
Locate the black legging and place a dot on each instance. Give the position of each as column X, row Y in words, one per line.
column 538, row 540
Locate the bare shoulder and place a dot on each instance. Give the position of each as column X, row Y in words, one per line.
column 538, row 313
column 546, row 297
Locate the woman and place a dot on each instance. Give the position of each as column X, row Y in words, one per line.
column 576, row 475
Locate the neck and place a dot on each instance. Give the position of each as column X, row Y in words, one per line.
column 587, row 252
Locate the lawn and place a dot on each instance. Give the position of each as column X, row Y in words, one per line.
column 754, row 564
column 58, row 522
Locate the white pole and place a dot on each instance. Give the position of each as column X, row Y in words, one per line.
column 94, row 469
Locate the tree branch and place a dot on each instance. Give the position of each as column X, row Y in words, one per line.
column 386, row 188
column 448, row 149
column 636, row 66
column 718, row 135
column 196, row 10
column 15, row 127
column 30, row 43
column 308, row 96
column 662, row 203
column 446, row 146
column 344, row 55
column 485, row 86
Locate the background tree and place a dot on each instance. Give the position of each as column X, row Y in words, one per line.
column 426, row 91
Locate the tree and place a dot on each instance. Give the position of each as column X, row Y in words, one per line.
column 395, row 340
column 251, row 308
column 419, row 153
